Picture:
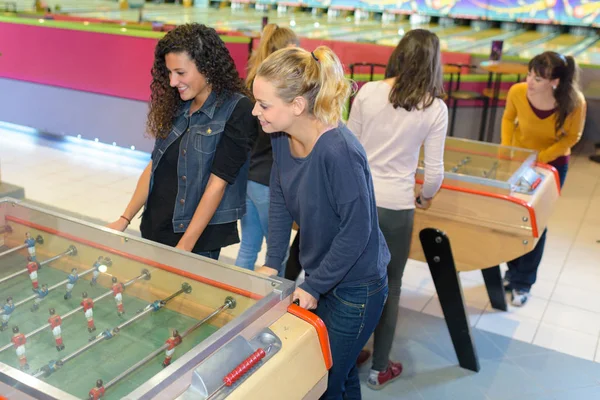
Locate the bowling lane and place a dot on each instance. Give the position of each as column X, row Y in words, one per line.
column 590, row 55
column 559, row 44
column 440, row 31
column 469, row 38
column 511, row 43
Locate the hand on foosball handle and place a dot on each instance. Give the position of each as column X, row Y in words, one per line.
column 306, row 300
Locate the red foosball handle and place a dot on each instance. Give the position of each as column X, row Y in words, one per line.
column 244, row 367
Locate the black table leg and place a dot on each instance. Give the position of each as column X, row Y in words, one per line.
column 493, row 283
column 438, row 253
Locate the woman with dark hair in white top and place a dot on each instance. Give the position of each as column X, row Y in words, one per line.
column 392, row 119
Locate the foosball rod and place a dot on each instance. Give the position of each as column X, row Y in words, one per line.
column 144, row 275
column 155, row 306
column 70, row 251
column 229, row 304
column 38, row 239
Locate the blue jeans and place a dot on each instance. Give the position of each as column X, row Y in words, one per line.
column 214, row 254
column 522, row 271
column 255, row 225
column 350, row 314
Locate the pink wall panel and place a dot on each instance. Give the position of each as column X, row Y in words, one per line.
column 113, row 65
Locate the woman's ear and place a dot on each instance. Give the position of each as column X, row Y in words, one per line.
column 299, row 105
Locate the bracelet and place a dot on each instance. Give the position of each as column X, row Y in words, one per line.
column 126, row 219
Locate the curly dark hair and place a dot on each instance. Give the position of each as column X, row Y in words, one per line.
column 204, row 46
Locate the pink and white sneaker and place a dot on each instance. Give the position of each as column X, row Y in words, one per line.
column 378, row 380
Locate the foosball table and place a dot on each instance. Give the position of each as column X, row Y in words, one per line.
column 90, row 313
column 493, row 206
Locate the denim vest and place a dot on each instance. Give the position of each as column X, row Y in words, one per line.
column 196, row 153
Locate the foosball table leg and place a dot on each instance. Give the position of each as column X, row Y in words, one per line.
column 493, row 283
column 438, row 254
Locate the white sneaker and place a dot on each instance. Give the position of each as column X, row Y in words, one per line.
column 519, row 297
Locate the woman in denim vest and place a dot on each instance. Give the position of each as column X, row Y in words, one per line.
column 320, row 178
column 194, row 188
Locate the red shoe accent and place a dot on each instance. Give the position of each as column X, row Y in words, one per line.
column 363, row 357
column 59, row 342
column 392, row 373
column 35, row 284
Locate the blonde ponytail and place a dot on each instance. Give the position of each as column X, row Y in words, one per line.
column 272, row 39
column 317, row 76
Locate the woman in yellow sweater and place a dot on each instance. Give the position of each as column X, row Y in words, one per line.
column 546, row 114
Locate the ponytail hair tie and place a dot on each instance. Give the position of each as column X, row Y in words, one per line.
column 313, row 56
column 563, row 58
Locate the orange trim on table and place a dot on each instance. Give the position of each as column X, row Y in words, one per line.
column 319, row 325
column 522, row 203
column 146, row 261
column 551, row 169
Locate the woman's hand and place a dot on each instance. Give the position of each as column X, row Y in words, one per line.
column 266, row 271
column 118, row 225
column 183, row 245
column 422, row 203
column 307, row 301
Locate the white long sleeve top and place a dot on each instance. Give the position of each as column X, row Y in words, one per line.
column 392, row 139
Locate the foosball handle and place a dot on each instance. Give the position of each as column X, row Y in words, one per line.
column 297, row 302
column 244, row 367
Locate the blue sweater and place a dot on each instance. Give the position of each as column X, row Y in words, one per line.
column 330, row 195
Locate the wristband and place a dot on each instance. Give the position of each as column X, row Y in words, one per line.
column 126, row 219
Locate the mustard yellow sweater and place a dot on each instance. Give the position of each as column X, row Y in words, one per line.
column 522, row 128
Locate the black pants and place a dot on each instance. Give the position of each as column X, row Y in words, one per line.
column 293, row 267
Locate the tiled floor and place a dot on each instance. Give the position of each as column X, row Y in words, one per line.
column 515, row 347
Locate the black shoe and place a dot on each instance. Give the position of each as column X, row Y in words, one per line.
column 58, row 348
column 25, row 367
column 3, row 327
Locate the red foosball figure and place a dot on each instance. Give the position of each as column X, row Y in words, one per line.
column 19, row 341
column 55, row 322
column 97, row 392
column 32, row 268
column 118, row 289
column 172, row 342
column 88, row 309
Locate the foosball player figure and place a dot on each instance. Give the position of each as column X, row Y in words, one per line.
column 88, row 308
column 97, row 392
column 32, row 269
column 96, row 272
column 19, row 341
column 55, row 322
column 72, row 280
column 30, row 242
column 172, row 342
column 41, row 294
column 118, row 288
column 7, row 311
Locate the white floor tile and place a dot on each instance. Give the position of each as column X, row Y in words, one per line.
column 508, row 324
column 572, row 318
column 543, row 288
column 577, row 296
column 473, row 312
column 567, row 341
column 414, row 299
